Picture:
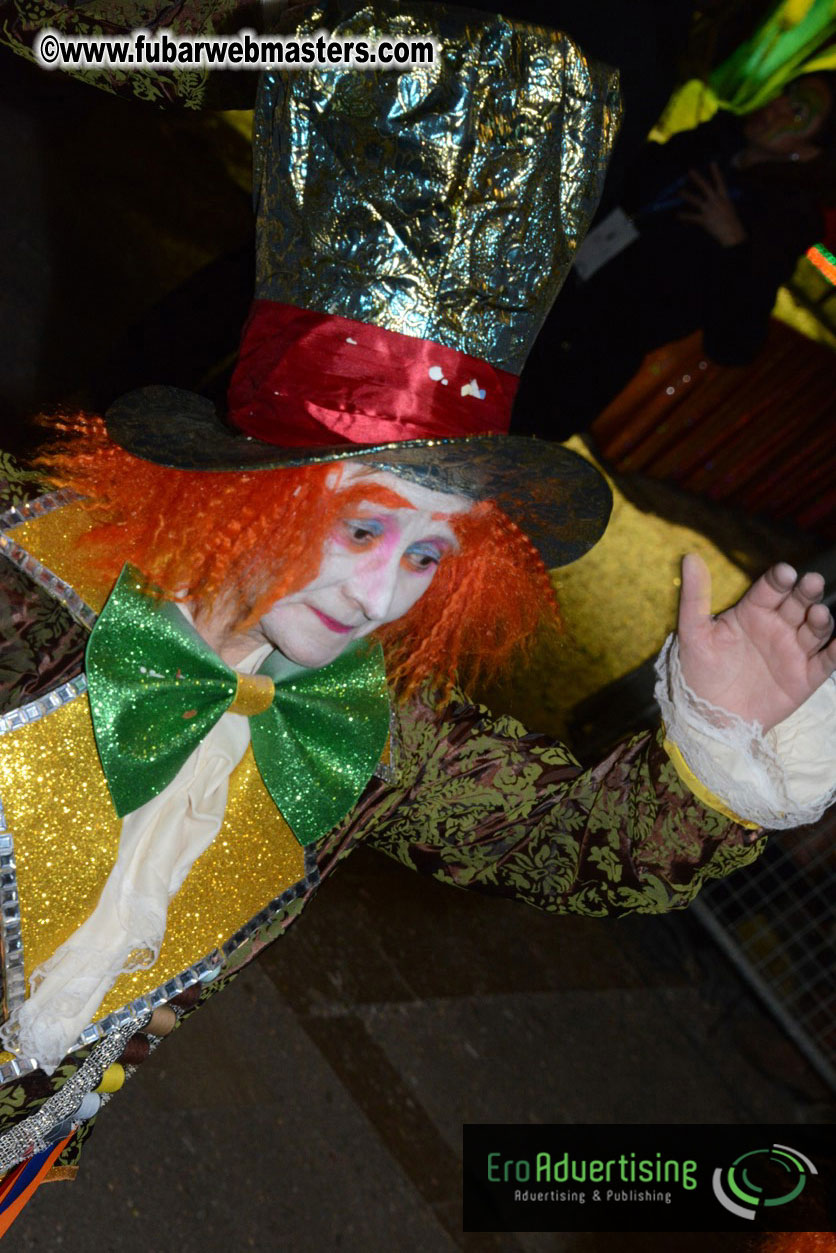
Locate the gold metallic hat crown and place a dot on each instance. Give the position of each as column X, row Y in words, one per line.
column 443, row 201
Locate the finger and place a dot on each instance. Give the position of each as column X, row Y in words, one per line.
column 718, row 180
column 806, row 592
column 694, row 594
column 696, row 218
column 772, row 588
column 816, row 629
column 693, row 198
column 823, row 664
column 700, row 181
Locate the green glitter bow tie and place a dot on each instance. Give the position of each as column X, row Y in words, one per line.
column 157, row 688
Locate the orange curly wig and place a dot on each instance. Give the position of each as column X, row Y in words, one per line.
column 245, row 539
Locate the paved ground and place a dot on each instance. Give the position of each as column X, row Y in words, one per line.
column 318, row 1103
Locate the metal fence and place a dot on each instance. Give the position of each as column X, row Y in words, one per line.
column 776, row 921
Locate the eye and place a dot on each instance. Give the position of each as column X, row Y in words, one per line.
column 800, row 110
column 423, row 557
column 361, row 532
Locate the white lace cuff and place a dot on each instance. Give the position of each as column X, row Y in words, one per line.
column 778, row 779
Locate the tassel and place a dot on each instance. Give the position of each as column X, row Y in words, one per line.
column 20, row 1184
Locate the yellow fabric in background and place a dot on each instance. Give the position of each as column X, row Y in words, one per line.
column 619, row 602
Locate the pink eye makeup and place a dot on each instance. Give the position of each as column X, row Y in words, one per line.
column 383, row 533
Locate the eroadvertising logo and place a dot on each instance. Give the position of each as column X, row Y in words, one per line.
column 741, row 1189
column 648, row 1178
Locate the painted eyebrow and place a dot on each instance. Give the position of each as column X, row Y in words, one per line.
column 367, row 502
column 376, row 495
column 450, row 541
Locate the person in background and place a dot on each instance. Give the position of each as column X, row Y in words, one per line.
column 712, row 223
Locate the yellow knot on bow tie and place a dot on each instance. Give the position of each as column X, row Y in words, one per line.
column 253, row 695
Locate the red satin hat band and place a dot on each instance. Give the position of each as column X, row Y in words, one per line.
column 307, row 379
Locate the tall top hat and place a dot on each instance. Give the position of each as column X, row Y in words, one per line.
column 414, row 227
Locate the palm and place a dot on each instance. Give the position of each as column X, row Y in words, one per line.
column 762, row 658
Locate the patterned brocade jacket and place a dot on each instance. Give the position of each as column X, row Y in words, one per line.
column 472, row 800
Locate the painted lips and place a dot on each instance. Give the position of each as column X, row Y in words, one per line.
column 339, row 628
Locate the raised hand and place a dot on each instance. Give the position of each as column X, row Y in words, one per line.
column 762, row 658
column 712, row 208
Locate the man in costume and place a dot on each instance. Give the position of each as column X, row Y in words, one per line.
column 234, row 733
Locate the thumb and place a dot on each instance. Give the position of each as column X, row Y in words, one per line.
column 694, row 595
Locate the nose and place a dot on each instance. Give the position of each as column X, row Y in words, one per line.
column 773, row 113
column 372, row 585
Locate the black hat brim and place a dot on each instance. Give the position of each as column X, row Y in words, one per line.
column 558, row 498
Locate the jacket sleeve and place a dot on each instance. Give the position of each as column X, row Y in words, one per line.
column 485, row 805
column 40, row 644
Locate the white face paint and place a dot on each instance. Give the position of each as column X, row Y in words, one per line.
column 376, row 564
